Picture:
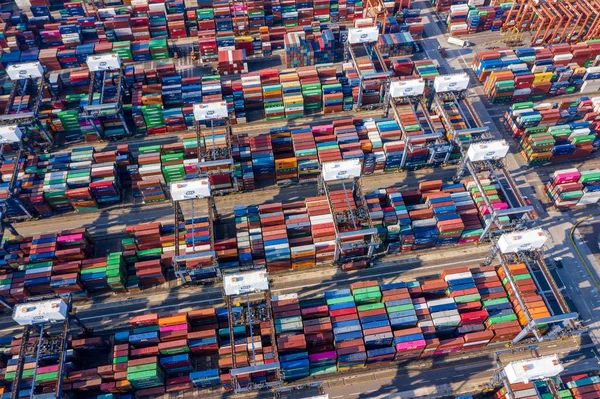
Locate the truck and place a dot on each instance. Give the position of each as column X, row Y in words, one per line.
column 458, row 42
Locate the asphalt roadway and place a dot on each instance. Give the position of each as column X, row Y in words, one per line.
column 446, row 376
column 113, row 220
column 110, row 312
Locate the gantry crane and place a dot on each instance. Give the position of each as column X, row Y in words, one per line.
column 105, row 95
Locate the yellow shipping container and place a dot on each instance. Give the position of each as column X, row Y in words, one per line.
column 173, row 320
column 243, row 39
column 542, row 77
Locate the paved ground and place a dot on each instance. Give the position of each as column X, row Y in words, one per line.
column 590, row 233
column 112, row 220
column 114, row 311
column 441, row 376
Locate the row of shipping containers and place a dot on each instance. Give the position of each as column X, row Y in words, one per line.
column 66, row 264
column 162, row 99
column 278, row 236
column 569, row 188
column 555, row 132
column 346, row 329
column 434, row 215
column 526, row 390
column 464, row 19
column 463, row 309
column 533, row 74
column 174, row 353
column 85, row 179
column 216, row 25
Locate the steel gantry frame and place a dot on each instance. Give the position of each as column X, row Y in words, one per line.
column 376, row 10
column 210, row 157
column 434, row 141
column 253, row 368
column 34, row 88
column 354, row 52
column 579, row 20
column 24, row 120
column 104, row 108
column 560, row 322
column 183, row 273
column 11, row 191
column 499, row 377
column 369, row 235
column 476, row 128
column 63, row 340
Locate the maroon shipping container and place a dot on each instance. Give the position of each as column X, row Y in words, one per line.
column 478, row 336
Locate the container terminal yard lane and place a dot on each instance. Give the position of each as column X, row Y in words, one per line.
column 112, row 312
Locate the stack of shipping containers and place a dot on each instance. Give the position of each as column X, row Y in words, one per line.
column 569, row 188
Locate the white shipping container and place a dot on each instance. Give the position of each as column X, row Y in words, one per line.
column 579, row 132
column 590, row 86
column 539, row 69
column 285, row 297
column 438, row 302
column 563, row 57
column 458, row 27
column 518, row 67
column 457, row 276
column 476, row 3
column 198, row 249
column 517, row 112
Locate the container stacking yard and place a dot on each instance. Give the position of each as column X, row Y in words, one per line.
column 431, row 215
column 460, row 310
column 317, row 124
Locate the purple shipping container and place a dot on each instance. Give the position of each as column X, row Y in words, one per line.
column 319, row 357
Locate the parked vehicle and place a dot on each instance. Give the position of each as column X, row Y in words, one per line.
column 458, row 42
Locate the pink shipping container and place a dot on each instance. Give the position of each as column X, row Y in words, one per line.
column 412, row 345
column 70, row 238
column 499, row 207
column 317, row 357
